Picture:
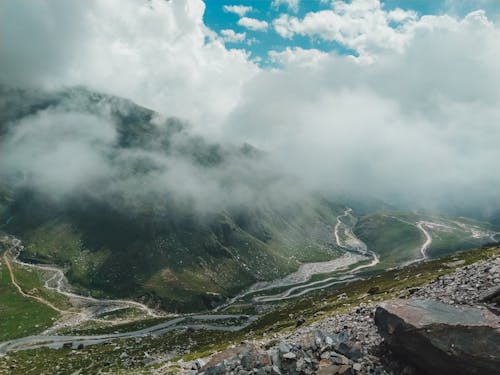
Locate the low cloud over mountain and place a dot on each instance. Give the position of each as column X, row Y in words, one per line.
column 411, row 118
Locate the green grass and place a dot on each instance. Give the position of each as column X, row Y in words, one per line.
column 199, row 343
column 394, row 240
column 20, row 316
column 32, row 281
column 180, row 264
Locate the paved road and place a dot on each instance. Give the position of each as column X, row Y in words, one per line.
column 33, row 342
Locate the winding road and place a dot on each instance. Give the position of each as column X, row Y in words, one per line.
column 428, row 240
column 60, row 287
column 353, row 243
column 84, row 308
column 47, row 341
column 297, row 282
column 206, row 322
column 6, row 260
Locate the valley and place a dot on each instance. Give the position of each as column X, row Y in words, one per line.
column 133, row 259
column 83, row 312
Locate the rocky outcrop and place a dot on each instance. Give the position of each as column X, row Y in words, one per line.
column 439, row 338
column 350, row 343
column 321, row 353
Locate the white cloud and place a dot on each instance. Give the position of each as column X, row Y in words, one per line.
column 231, row 36
column 418, row 125
column 293, row 5
column 157, row 53
column 400, row 15
column 361, row 25
column 253, row 24
column 240, row 10
column 297, row 57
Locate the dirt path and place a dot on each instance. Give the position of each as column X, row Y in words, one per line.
column 6, row 260
column 84, row 308
column 59, row 279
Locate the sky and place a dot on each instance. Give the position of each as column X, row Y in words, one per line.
column 263, row 34
column 396, row 99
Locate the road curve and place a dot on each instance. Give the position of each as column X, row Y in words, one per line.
column 55, row 342
column 59, row 279
column 428, row 240
column 13, row 280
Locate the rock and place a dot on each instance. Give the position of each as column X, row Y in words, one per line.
column 344, row 369
column 455, row 264
column 339, row 359
column 324, row 362
column 216, row 370
column 289, row 356
column 249, row 360
column 301, row 364
column 300, row 321
column 284, row 348
column 328, row 370
column 373, row 290
column 318, row 339
column 439, row 338
column 275, row 370
column 274, row 356
column 264, row 360
column 199, row 363
column 350, row 350
column 491, row 295
column 328, row 341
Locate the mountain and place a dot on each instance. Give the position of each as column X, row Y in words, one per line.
column 135, row 205
column 137, row 230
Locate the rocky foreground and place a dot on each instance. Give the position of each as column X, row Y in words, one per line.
column 450, row 326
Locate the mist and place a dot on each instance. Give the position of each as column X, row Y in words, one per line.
column 416, row 126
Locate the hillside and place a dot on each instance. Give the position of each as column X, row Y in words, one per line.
column 458, row 279
column 138, row 232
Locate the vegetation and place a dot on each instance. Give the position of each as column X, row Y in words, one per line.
column 181, row 263
column 392, row 237
column 20, row 316
column 198, row 343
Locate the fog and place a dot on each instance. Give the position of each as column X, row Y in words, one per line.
column 417, row 125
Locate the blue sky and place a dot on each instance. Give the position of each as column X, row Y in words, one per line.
column 259, row 43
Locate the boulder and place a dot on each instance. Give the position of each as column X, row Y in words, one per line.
column 439, row 338
column 491, row 295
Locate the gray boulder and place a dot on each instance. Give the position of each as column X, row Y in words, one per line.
column 441, row 339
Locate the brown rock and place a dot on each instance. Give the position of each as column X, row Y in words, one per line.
column 324, row 362
column 328, row 370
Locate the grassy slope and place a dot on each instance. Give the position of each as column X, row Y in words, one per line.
column 181, row 265
column 394, row 240
column 199, row 343
column 153, row 247
column 20, row 316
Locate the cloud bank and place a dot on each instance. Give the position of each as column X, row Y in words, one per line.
column 411, row 117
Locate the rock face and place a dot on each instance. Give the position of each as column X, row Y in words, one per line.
column 441, row 339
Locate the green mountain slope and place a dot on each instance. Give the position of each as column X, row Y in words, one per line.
column 124, row 236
